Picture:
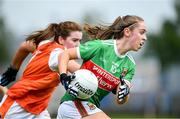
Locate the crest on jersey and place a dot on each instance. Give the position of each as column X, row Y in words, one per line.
column 124, row 72
column 91, row 106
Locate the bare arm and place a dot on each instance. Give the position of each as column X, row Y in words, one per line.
column 10, row 74
column 3, row 90
column 25, row 48
column 73, row 66
column 64, row 59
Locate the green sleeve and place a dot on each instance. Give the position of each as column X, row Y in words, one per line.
column 130, row 74
column 89, row 49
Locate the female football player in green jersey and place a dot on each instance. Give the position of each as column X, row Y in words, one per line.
column 108, row 58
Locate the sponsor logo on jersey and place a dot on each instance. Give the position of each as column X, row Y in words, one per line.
column 106, row 80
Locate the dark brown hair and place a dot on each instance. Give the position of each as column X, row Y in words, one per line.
column 113, row 31
column 55, row 30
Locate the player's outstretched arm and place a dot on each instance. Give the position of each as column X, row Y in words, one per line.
column 9, row 75
column 22, row 52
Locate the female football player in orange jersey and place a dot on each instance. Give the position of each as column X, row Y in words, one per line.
column 28, row 98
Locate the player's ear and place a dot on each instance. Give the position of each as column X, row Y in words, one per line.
column 61, row 40
column 127, row 32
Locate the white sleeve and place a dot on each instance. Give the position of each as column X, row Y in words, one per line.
column 53, row 59
column 78, row 52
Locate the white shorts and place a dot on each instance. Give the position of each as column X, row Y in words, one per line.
column 15, row 111
column 76, row 109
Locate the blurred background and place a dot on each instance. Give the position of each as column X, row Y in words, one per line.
column 155, row 91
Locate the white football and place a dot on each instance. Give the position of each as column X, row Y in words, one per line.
column 86, row 83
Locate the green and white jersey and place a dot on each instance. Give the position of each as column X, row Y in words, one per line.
column 102, row 58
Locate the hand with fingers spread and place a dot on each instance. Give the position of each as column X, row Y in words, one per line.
column 66, row 80
column 8, row 76
column 123, row 88
column 72, row 90
column 123, row 91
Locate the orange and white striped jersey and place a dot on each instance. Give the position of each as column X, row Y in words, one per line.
column 35, row 87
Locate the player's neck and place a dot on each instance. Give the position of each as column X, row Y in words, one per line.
column 122, row 47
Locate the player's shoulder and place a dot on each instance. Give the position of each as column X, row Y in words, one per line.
column 130, row 57
column 108, row 42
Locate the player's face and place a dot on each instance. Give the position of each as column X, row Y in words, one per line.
column 73, row 40
column 138, row 37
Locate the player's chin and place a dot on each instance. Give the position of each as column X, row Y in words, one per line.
column 136, row 49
